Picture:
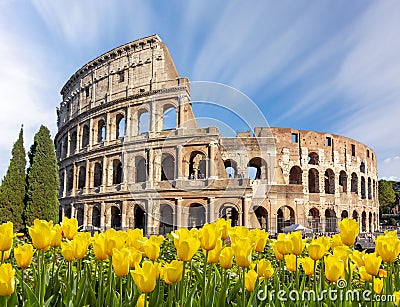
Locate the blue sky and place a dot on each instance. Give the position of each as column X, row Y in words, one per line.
column 323, row 65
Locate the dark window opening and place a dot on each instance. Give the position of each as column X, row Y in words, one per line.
column 295, row 138
column 353, row 150
column 328, row 141
column 121, row 76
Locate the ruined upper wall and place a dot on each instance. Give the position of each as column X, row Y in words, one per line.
column 137, row 67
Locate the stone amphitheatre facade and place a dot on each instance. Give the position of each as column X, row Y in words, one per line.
column 120, row 167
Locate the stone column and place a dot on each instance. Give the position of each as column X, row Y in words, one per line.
column 74, row 180
column 150, row 166
column 85, row 215
column 179, row 213
column 102, row 215
column 67, row 154
column 65, row 183
column 124, row 207
column 128, row 123
column 179, row 163
column 90, row 133
column 87, row 176
column 246, row 211
column 211, row 160
column 105, row 177
column 211, row 210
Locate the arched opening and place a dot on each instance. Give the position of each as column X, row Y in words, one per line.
column 314, row 219
column 70, row 180
column 313, row 158
column 67, row 212
column 115, row 217
column 330, row 220
column 256, row 169
column 313, row 181
column 354, row 183
column 355, row 215
column 197, row 216
column 120, row 126
column 98, row 175
column 370, row 222
column 101, row 131
column 141, row 171
column 197, row 165
column 329, row 181
column 262, row 217
column 369, row 189
column 363, row 196
column 343, row 182
column 362, row 167
column 140, row 218
column 62, row 179
column 73, row 142
column 96, row 217
column 64, row 147
column 85, row 136
column 230, row 168
column 79, row 216
column 229, row 212
column 363, row 222
column 167, row 167
column 169, row 117
column 295, row 175
column 345, row 214
column 166, row 219
column 285, row 217
column 143, row 122
column 82, row 177
column 117, row 172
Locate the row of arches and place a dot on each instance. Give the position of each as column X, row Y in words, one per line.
column 313, row 159
column 118, row 126
column 368, row 186
column 256, row 168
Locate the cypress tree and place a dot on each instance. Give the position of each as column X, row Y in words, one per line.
column 13, row 187
column 43, row 183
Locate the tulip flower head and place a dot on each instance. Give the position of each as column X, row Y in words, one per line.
column 378, row 285
column 224, row 226
column 80, row 244
column 145, row 277
column 260, row 238
column 264, row 269
column 120, row 261
column 334, row 268
column 99, row 246
column 42, row 233
column 308, row 265
column 358, row 258
column 363, row 274
column 214, row 254
column 6, row 236
column 186, row 243
column 172, row 272
column 56, row 241
column 349, row 230
column 372, row 263
column 290, row 261
column 388, row 247
column 23, row 255
column 250, row 280
column 242, row 249
column 67, row 250
column 7, row 279
column 69, row 228
column 226, row 257
column 208, row 236
column 296, row 243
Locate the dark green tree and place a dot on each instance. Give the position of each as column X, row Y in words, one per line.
column 43, row 183
column 13, row 187
column 386, row 195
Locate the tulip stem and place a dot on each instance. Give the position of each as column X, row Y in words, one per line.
column 120, row 290
column 297, row 274
column 372, row 301
column 204, row 278
column 244, row 287
column 182, row 284
column 315, row 278
column 145, row 300
column 100, row 290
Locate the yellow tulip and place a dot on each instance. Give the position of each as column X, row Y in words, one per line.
column 56, row 241
column 349, row 230
column 250, row 280
column 358, row 258
column 152, row 247
column 239, row 232
column 99, row 246
column 388, row 247
column 278, row 255
column 225, row 226
column 7, row 279
column 290, row 261
column 296, row 243
column 6, row 254
column 308, row 265
column 334, row 268
column 135, row 239
column 242, row 249
column 325, row 241
column 114, row 239
column 6, row 236
column 378, row 285
column 67, row 250
column 145, row 277
column 23, row 255
column 172, row 272
column 226, row 257
column 69, row 228
column 141, row 300
column 372, row 263
column 42, row 233
column 336, row 240
column 396, row 295
column 264, row 269
column 342, row 252
column 120, row 261
column 80, row 244
column 283, row 244
column 213, row 255
column 135, row 256
column 363, row 274
column 186, row 243
column 208, row 236
column 316, row 250
column 260, row 238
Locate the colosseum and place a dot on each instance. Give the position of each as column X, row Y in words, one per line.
column 121, row 166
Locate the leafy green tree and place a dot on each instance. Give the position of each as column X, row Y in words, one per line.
column 43, row 182
column 386, row 195
column 13, row 187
